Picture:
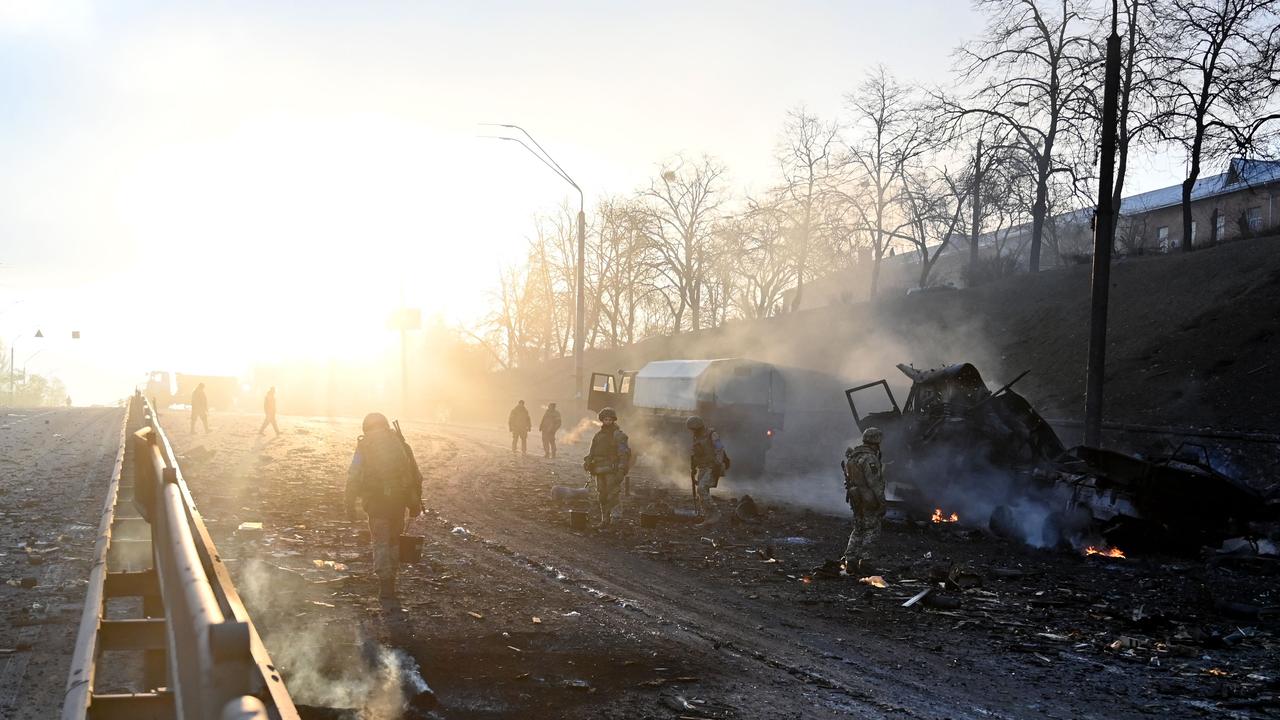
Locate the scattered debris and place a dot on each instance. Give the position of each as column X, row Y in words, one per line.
column 917, row 597
column 475, row 614
column 746, row 510
column 874, row 581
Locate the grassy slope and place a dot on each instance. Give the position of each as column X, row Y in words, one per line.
column 1194, row 340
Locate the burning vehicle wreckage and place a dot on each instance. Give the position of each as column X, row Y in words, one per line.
column 990, row 454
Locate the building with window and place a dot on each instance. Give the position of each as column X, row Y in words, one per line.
column 1240, row 202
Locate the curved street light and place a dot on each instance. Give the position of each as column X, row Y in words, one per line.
column 580, row 310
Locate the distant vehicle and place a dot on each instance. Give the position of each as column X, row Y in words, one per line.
column 742, row 399
column 168, row 388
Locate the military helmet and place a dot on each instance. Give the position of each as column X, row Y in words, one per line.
column 872, row 436
column 374, row 420
column 608, row 414
column 694, row 423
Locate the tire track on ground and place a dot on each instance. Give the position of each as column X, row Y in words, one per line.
column 667, row 596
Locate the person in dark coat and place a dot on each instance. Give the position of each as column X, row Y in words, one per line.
column 519, row 423
column 548, row 426
column 199, row 408
column 269, row 408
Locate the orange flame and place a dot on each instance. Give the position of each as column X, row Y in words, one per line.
column 938, row 517
column 1104, row 551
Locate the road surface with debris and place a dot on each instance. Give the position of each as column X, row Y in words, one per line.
column 510, row 613
column 54, row 469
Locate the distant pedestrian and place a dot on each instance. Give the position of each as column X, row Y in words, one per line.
column 384, row 476
column 519, row 423
column 269, row 407
column 199, row 408
column 706, row 464
column 549, row 424
column 864, row 489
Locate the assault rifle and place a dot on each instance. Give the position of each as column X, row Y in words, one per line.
column 395, row 424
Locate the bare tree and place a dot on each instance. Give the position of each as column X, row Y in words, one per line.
column 1139, row 112
column 626, row 272
column 1217, row 74
column 1031, row 74
column 764, row 266
column 890, row 136
column 934, row 203
column 806, row 156
column 679, row 209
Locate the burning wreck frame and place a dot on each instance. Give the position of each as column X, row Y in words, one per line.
column 954, row 434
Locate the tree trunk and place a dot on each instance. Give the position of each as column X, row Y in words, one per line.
column 1187, row 186
column 1038, row 211
column 975, row 225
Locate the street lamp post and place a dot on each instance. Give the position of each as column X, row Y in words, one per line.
column 580, row 309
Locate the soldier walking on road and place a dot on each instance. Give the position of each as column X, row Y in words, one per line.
column 384, row 475
column 199, row 408
column 548, row 426
column 269, row 407
column 864, row 489
column 706, row 464
column 519, row 423
column 608, row 462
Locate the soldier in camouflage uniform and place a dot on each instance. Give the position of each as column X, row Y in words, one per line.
column 384, row 475
column 706, row 464
column 864, row 489
column 608, row 462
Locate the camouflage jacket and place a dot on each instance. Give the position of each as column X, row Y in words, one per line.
column 610, row 452
column 864, row 476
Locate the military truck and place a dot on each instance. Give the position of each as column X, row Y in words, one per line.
column 742, row 399
column 168, row 388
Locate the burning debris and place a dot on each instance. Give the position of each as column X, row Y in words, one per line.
column 940, row 517
column 1112, row 552
column 992, row 455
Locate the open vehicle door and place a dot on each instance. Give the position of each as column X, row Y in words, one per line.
column 878, row 402
column 609, row 391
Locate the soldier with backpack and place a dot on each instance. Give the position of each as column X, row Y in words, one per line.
column 708, row 462
column 384, row 475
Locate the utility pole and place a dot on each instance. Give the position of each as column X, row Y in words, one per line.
column 580, row 320
column 1103, row 237
column 580, row 316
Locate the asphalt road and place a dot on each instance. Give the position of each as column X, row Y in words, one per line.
column 54, row 470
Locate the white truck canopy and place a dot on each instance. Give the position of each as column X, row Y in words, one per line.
column 681, row 385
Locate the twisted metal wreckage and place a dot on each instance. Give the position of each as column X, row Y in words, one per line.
column 956, row 432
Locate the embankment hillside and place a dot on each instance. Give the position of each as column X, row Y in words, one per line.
column 1194, row 340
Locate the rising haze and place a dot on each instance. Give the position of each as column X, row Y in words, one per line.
column 267, row 180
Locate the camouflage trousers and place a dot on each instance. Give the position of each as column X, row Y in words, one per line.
column 385, row 532
column 866, row 530
column 705, row 479
column 607, row 487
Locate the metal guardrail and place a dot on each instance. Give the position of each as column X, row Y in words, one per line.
column 202, row 656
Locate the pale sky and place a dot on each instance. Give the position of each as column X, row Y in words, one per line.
column 193, row 185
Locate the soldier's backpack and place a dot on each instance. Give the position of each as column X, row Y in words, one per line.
column 386, row 470
column 728, row 463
